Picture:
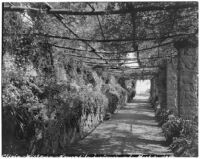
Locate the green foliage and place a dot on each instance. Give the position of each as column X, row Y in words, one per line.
column 186, row 144
column 182, row 135
column 19, row 117
column 48, row 114
column 117, row 96
column 112, row 102
column 162, row 115
column 172, row 129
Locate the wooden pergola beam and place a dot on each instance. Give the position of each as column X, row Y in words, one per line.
column 107, row 40
column 67, row 12
column 60, row 19
column 93, row 9
column 110, row 53
column 135, row 77
column 134, row 74
column 117, row 59
column 117, row 65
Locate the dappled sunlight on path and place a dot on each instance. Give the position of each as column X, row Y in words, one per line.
column 131, row 131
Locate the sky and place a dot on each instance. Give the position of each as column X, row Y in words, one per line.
column 142, row 86
column 132, row 55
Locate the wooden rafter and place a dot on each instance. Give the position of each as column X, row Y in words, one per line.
column 141, row 70
column 110, row 53
column 68, row 12
column 108, row 40
column 93, row 9
column 117, row 59
column 60, row 18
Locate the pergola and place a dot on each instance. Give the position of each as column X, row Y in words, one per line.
column 116, row 66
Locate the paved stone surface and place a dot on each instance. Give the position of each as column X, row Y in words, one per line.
column 131, row 131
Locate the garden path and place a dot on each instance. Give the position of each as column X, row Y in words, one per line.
column 132, row 130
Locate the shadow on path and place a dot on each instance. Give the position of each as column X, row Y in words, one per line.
column 131, row 131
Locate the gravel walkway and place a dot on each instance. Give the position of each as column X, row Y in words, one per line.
column 130, row 131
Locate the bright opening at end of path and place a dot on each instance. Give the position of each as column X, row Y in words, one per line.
column 143, row 87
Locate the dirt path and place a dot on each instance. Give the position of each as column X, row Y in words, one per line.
column 131, row 131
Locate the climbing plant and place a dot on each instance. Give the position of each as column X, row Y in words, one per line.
column 58, row 68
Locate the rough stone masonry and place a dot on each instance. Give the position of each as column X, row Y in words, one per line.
column 187, row 78
column 176, row 84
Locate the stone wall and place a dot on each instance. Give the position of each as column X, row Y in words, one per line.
column 187, row 78
column 171, row 82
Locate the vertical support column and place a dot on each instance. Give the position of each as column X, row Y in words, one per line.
column 153, row 89
column 162, row 91
column 172, row 86
column 187, row 78
column 156, row 89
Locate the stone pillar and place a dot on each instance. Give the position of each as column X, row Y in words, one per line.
column 152, row 89
column 153, row 92
column 172, row 86
column 162, row 87
column 187, row 78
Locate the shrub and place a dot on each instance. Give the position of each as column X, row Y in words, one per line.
column 116, row 88
column 172, row 129
column 182, row 136
column 42, row 115
column 112, row 102
column 131, row 94
column 154, row 102
column 19, row 119
column 115, row 93
column 186, row 144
